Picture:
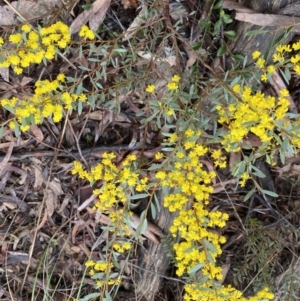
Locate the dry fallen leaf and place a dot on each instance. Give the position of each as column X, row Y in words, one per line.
column 4, row 163
column 4, row 72
column 34, row 9
column 51, row 201
column 7, row 16
column 37, row 133
column 95, row 15
column 236, row 6
column 270, row 20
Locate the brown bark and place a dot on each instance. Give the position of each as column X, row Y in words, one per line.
column 153, row 261
column 246, row 45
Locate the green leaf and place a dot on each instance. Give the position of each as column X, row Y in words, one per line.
column 258, row 172
column 239, row 168
column 144, row 226
column 256, row 32
column 120, row 50
column 86, row 6
column 70, row 79
column 168, row 149
column 238, row 57
column 84, row 68
column 113, row 275
column 221, row 50
column 196, row 268
column 218, row 5
column 270, row 193
column 17, row 129
column 9, row 109
column 249, row 194
column 210, row 246
column 226, row 18
column 139, row 196
column 153, row 210
column 90, row 296
column 107, row 297
column 155, row 166
column 230, row 34
column 79, row 108
column 157, row 203
column 286, row 74
column 210, row 258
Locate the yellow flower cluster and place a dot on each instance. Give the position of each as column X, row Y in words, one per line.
column 50, row 97
column 173, row 85
column 199, row 244
column 229, row 293
column 219, row 160
column 87, row 33
column 117, row 187
column 122, row 247
column 150, row 88
column 113, row 199
column 33, row 46
column 278, row 57
column 255, row 113
column 103, row 278
column 46, row 102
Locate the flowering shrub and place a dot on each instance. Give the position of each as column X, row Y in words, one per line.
column 252, row 112
column 50, row 98
column 198, row 247
column 181, row 173
column 34, row 46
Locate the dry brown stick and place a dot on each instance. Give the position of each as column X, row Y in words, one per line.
column 90, row 152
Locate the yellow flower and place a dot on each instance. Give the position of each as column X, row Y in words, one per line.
column 50, row 52
column 1, row 41
column 82, row 97
column 16, row 38
column 12, row 125
column 271, row 69
column 160, row 175
column 33, row 36
column 264, row 77
column 180, row 154
column 260, row 63
column 278, row 57
column 13, row 59
column 61, row 77
column 284, row 92
column 236, row 89
column 89, row 263
column 283, row 48
column 150, row 88
column 172, row 86
column 26, row 28
column 170, row 112
column 24, row 128
column 159, row 155
column 296, row 46
column 297, row 69
column 243, row 179
column 295, row 59
column 87, row 33
column 256, row 54
column 173, row 138
column 18, row 70
column 175, row 78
